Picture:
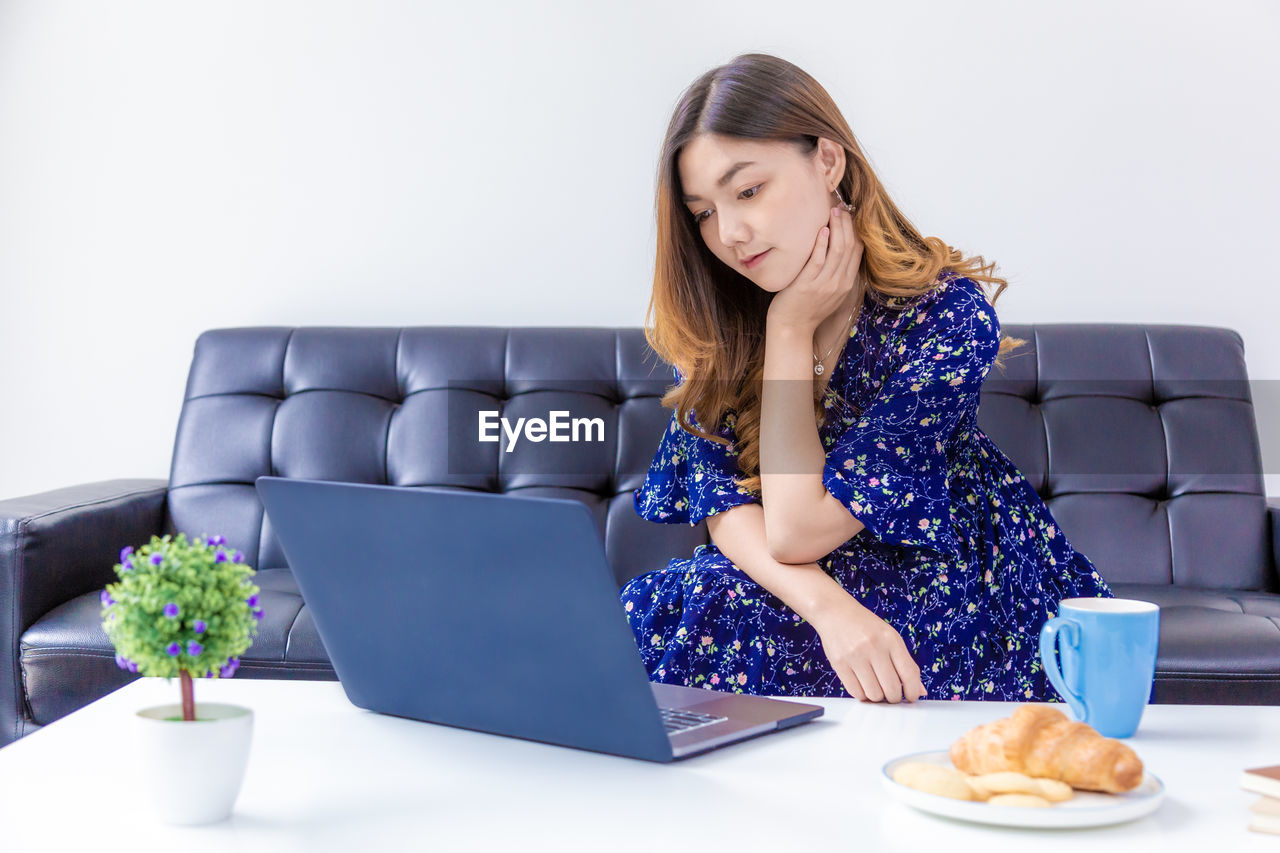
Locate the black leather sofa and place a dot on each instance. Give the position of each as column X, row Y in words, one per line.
column 1141, row 439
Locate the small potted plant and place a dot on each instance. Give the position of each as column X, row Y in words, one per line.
column 187, row 609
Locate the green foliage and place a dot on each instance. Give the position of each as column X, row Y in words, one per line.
column 167, row 590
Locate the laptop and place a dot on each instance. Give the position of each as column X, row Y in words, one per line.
column 496, row 613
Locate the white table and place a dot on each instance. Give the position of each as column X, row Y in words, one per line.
column 325, row 775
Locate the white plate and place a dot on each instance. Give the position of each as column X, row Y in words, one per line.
column 1086, row 808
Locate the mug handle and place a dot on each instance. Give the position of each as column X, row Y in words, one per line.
column 1049, row 658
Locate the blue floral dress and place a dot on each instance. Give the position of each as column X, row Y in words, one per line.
column 959, row 553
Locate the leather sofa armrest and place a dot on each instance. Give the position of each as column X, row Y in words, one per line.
column 55, row 546
column 1273, row 514
column 60, row 544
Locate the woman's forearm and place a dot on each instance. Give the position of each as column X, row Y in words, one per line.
column 739, row 533
column 791, row 454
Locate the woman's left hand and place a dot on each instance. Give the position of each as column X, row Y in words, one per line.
column 825, row 280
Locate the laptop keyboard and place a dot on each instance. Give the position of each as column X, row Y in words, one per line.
column 678, row 720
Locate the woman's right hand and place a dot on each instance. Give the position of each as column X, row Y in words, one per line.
column 867, row 653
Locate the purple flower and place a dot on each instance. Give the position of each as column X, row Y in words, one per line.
column 238, row 558
column 125, row 552
column 194, row 648
column 257, row 613
column 217, row 540
column 229, row 668
column 157, row 559
column 106, row 598
column 252, row 600
column 174, row 649
column 220, row 557
column 199, row 627
column 127, row 565
column 124, row 663
column 171, row 610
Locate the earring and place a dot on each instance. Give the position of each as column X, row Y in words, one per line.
column 843, row 203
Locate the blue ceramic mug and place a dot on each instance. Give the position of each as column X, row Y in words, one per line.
column 1108, row 651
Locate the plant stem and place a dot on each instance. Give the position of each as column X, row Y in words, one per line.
column 188, row 697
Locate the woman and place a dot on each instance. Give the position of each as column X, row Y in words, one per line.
column 869, row 539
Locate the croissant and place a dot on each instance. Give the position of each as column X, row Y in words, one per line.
column 1039, row 740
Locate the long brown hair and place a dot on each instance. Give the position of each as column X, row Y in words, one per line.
column 705, row 322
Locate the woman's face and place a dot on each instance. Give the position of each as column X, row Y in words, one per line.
column 776, row 203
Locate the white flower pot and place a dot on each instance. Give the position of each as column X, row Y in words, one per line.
column 191, row 771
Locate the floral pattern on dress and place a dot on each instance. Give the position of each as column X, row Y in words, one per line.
column 691, row 477
column 959, row 553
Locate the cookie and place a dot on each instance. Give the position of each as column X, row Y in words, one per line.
column 1055, row 790
column 987, row 785
column 1003, row 782
column 933, row 779
column 910, row 770
column 1019, row 801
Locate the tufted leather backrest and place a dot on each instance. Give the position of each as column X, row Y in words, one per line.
column 1140, row 438
column 1142, row 441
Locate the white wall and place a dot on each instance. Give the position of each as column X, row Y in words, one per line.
column 168, row 167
